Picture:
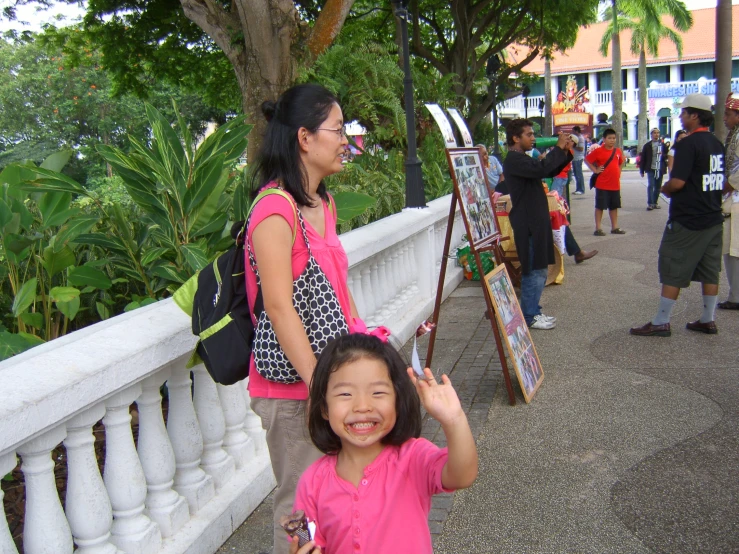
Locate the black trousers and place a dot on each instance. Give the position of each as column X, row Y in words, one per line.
column 570, row 243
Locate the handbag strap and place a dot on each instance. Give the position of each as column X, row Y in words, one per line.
column 609, row 159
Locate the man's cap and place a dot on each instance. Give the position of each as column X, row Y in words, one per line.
column 574, row 139
column 732, row 101
column 697, row 102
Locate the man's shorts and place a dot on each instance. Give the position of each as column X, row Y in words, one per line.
column 607, row 199
column 686, row 255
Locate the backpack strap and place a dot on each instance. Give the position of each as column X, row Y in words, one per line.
column 275, row 190
column 331, row 205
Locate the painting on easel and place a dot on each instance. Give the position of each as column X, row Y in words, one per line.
column 471, row 188
column 515, row 331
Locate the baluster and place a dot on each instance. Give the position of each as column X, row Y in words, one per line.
column 385, row 294
column 7, row 464
column 414, row 267
column 87, row 505
column 252, row 422
column 163, row 504
column 406, row 272
column 45, row 528
column 369, row 301
column 397, row 280
column 236, row 442
column 132, row 531
column 215, row 461
column 187, row 442
column 376, row 291
column 356, row 288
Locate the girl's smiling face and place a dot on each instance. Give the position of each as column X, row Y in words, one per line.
column 360, row 398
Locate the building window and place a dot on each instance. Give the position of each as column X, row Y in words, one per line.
column 537, row 87
column 665, row 122
column 660, row 73
column 694, row 71
column 605, row 83
column 735, row 68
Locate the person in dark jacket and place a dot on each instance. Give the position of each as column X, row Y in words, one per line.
column 529, row 216
column 653, row 162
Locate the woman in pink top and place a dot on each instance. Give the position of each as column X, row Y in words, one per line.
column 372, row 491
column 304, row 142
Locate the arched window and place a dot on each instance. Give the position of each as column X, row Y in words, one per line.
column 665, row 122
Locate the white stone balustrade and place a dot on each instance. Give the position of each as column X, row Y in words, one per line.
column 184, row 486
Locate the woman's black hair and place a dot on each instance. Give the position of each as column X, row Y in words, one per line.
column 347, row 349
column 279, row 157
column 680, row 133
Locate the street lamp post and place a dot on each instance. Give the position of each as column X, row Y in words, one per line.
column 414, row 194
column 491, row 72
column 525, row 91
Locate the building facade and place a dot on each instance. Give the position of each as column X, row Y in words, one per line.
column 669, row 77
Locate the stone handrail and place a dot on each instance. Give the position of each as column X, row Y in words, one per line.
column 193, row 475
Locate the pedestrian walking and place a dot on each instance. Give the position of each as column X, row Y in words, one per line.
column 653, row 163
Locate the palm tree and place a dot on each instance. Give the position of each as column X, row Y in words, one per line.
column 547, row 129
column 649, row 14
column 723, row 62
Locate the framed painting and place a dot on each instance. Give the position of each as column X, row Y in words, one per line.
column 514, row 331
column 470, row 186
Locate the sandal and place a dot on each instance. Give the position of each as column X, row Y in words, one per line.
column 599, row 233
column 728, row 305
column 618, row 231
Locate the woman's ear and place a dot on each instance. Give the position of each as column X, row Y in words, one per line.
column 304, row 136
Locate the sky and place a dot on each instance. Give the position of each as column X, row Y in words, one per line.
column 34, row 19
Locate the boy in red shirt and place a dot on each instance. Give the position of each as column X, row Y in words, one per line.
column 606, row 162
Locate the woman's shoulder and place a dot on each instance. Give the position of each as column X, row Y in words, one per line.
column 275, row 202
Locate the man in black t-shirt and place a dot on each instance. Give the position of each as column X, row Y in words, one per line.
column 691, row 244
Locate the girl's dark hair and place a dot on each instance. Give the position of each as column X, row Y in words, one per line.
column 705, row 118
column 348, row 349
column 680, row 133
column 279, row 157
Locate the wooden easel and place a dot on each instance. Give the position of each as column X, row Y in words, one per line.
column 491, row 244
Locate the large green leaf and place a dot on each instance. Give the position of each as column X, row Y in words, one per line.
column 229, row 139
column 205, row 177
column 72, row 229
column 64, row 294
column 17, row 248
column 54, row 262
column 103, row 310
column 52, row 181
column 169, row 148
column 11, row 344
column 110, row 243
column 88, row 276
column 195, row 256
column 14, row 175
column 33, row 319
column 352, row 204
column 216, row 225
column 6, row 216
column 25, row 297
column 57, row 160
column 26, row 217
column 169, row 272
column 69, row 308
column 153, row 254
column 52, row 205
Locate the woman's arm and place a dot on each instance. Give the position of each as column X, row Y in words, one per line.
column 670, row 161
column 272, row 240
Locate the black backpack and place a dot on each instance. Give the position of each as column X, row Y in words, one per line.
column 216, row 299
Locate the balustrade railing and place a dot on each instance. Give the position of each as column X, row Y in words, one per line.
column 193, row 464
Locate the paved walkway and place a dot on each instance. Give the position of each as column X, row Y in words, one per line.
column 631, row 444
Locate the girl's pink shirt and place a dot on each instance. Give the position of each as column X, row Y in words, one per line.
column 387, row 512
column 330, row 255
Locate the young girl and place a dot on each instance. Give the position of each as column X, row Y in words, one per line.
column 372, row 490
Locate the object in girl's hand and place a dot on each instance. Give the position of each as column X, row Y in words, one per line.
column 296, row 524
column 425, row 327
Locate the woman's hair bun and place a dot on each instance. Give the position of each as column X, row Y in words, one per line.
column 268, row 109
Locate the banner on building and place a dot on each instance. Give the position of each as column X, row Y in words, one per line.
column 572, row 100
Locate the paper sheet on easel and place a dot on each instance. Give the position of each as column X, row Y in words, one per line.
column 444, row 126
column 461, row 125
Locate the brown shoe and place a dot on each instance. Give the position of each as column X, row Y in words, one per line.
column 650, row 330
column 726, row 305
column 707, row 328
column 581, row 256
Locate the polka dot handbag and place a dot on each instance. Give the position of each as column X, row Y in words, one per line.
column 317, row 305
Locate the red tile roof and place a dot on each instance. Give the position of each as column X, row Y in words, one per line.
column 699, row 43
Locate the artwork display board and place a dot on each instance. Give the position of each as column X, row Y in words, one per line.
column 461, row 125
column 470, row 186
column 516, row 335
column 444, row 126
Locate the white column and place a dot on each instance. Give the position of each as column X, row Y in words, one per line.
column 133, row 532
column 215, row 461
column 425, row 262
column 385, row 293
column 236, row 442
column 376, row 290
column 252, row 422
column 7, row 464
column 45, row 528
column 674, row 73
column 369, row 302
column 592, row 84
column 87, row 504
column 187, row 442
column 163, row 504
column 355, row 280
column 413, row 267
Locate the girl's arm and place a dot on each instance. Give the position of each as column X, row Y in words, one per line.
column 272, row 240
column 441, row 402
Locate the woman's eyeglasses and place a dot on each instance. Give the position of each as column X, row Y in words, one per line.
column 341, row 133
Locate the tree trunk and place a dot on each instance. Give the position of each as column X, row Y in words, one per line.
column 723, row 63
column 643, row 119
column 547, row 129
column 617, row 119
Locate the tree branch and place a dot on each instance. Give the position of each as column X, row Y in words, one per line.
column 328, row 25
